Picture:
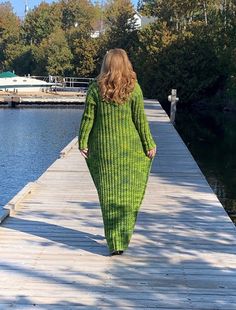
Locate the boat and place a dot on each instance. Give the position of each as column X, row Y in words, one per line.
column 10, row 82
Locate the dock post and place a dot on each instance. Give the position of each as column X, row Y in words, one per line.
column 173, row 99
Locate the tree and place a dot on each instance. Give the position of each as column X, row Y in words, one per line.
column 151, row 41
column 117, row 29
column 19, row 58
column 9, row 30
column 178, row 14
column 79, row 14
column 53, row 55
column 78, row 18
column 119, row 23
column 187, row 62
column 85, row 52
column 41, row 22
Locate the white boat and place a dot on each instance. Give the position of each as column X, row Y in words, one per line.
column 11, row 82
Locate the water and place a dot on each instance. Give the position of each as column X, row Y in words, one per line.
column 211, row 138
column 30, row 141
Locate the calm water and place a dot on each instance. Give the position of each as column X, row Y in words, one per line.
column 211, row 138
column 30, row 141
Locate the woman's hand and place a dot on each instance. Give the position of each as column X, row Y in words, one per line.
column 84, row 152
column 151, row 153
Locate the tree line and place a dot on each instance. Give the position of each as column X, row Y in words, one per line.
column 189, row 44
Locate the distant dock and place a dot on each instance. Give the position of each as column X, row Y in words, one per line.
column 182, row 255
column 41, row 99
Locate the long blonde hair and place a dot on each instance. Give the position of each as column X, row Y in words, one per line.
column 117, row 78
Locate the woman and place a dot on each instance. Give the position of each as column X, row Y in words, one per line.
column 115, row 139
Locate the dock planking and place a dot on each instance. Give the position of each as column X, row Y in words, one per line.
column 182, row 254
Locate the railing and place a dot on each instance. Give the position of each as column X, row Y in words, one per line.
column 76, row 84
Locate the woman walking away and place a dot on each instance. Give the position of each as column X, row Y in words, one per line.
column 115, row 139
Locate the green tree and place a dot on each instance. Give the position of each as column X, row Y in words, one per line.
column 53, row 56
column 19, row 58
column 9, row 30
column 78, row 12
column 151, row 40
column 78, row 20
column 186, row 61
column 85, row 52
column 41, row 22
column 119, row 23
column 117, row 29
column 178, row 14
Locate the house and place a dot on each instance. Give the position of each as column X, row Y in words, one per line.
column 140, row 22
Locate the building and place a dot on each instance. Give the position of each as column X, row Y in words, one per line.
column 140, row 22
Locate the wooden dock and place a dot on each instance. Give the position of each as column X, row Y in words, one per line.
column 182, row 254
column 42, row 99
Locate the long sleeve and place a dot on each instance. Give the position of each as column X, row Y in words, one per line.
column 87, row 118
column 140, row 120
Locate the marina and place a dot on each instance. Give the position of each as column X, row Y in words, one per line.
column 9, row 81
column 182, row 254
column 41, row 91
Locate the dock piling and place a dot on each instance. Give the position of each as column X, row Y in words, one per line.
column 173, row 99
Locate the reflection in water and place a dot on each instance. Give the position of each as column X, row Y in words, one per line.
column 30, row 141
column 211, row 138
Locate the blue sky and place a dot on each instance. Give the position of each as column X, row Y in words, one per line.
column 19, row 5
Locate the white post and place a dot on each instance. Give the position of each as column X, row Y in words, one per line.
column 173, row 101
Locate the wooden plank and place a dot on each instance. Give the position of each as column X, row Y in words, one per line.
column 67, row 149
column 15, row 201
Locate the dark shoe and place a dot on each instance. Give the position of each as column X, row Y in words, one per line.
column 117, row 253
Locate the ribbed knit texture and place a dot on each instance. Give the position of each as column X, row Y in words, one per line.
column 117, row 137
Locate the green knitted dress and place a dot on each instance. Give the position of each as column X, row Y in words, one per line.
column 117, row 137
